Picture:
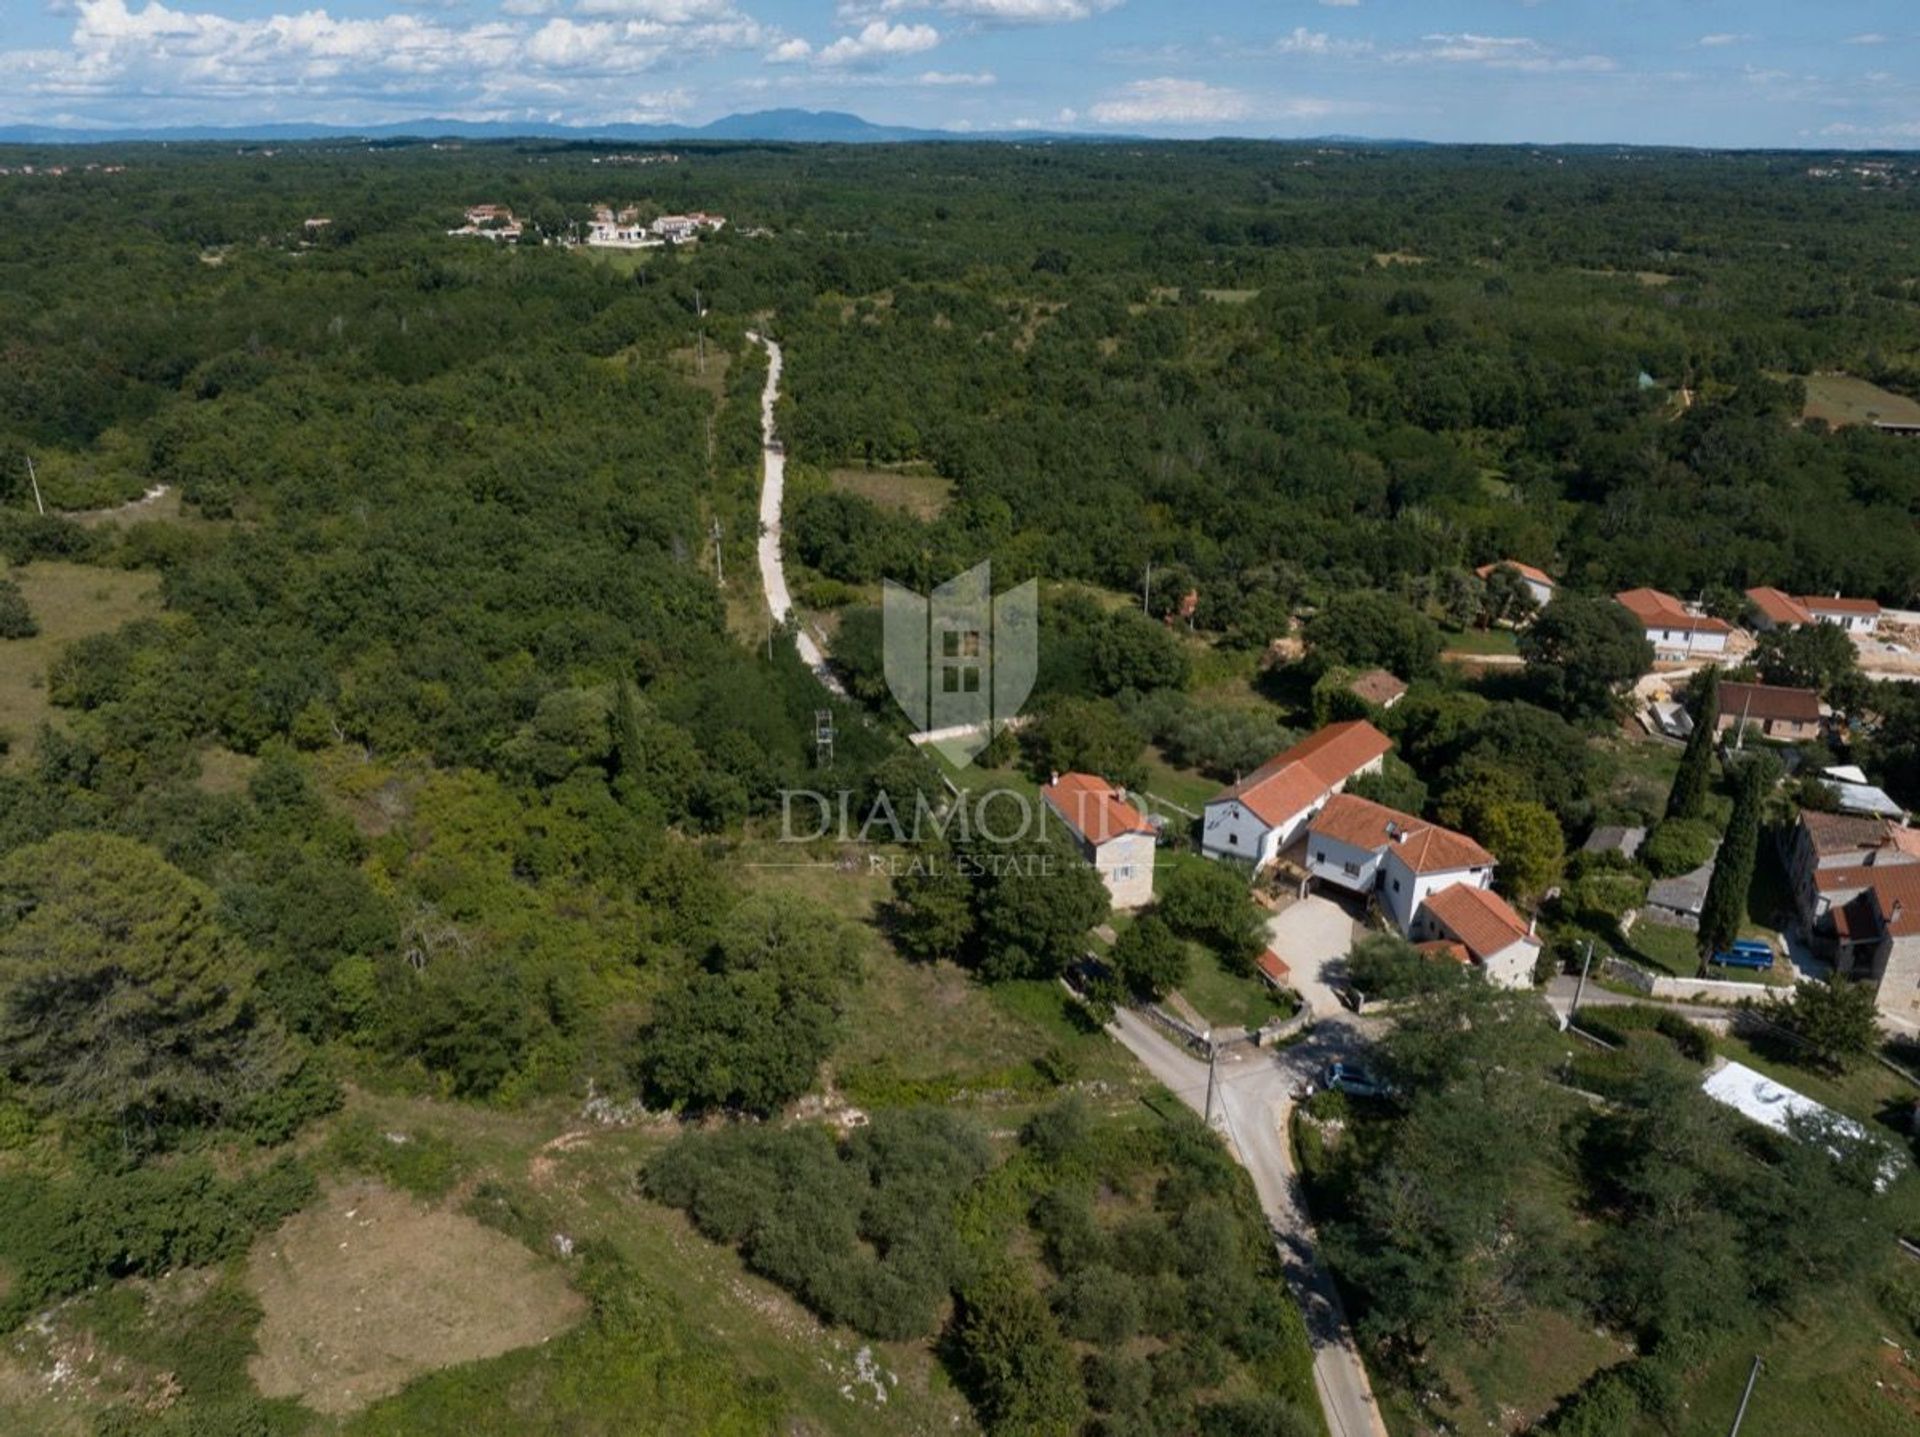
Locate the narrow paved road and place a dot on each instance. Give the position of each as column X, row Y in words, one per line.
column 1253, row 1095
column 773, row 488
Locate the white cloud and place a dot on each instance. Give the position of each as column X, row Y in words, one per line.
column 527, row 7
column 664, row 12
column 876, row 41
column 944, row 77
column 1902, row 130
column 1710, row 42
column 1340, row 4
column 985, row 12
column 790, row 52
column 1872, row 37
column 1498, row 52
column 1303, row 41
column 1169, row 101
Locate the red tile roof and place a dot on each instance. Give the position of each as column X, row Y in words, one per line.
column 1780, row 608
column 1422, row 846
column 1093, row 808
column 1526, row 571
column 1838, row 605
column 1896, row 899
column 1288, row 784
column 1656, row 610
column 1440, row 948
column 1764, row 703
column 1480, row 918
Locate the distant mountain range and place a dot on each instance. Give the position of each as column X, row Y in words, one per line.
column 793, row 126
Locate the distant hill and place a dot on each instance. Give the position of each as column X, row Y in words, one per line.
column 793, row 126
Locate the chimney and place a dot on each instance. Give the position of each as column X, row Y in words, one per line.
column 1056, row 778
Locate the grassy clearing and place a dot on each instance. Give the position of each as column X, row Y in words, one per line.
column 70, row 601
column 1224, row 997
column 1869, row 1092
column 369, row 1288
column 1482, row 643
column 1386, row 259
column 1841, row 399
column 924, row 496
column 1230, row 296
column 224, row 771
column 1187, row 787
column 713, row 378
column 1512, row 1382
column 1671, row 950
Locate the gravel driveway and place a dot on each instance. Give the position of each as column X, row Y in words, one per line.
column 1309, row 935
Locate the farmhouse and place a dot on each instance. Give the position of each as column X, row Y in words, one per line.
column 1833, row 858
column 1266, row 811
column 1876, row 938
column 494, row 222
column 1772, row 609
column 608, row 230
column 1674, row 630
column 677, row 229
column 1373, row 851
column 1112, row 835
column 1539, row 583
column 1782, row 715
column 1499, row 941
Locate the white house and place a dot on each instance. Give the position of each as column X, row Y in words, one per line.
column 1498, row 941
column 1773, row 609
column 1675, row 631
column 1112, row 835
column 1539, row 583
column 1269, row 809
column 1369, row 849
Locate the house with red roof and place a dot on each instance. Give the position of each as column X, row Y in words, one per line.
column 1772, row 609
column 1268, row 809
column 1480, row 924
column 1372, row 851
column 1538, row 581
column 1674, row 630
column 1112, row 835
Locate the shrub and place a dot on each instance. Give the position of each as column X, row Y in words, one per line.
column 1677, row 846
column 16, row 619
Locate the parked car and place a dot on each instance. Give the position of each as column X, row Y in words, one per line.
column 1747, row 953
column 1353, row 1080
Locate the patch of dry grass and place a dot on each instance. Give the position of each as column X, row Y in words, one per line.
column 369, row 1288
column 70, row 601
column 921, row 495
column 1841, row 399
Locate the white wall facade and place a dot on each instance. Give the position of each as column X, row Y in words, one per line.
column 1342, row 864
column 1681, row 643
column 1403, row 892
column 1232, row 830
column 1125, row 865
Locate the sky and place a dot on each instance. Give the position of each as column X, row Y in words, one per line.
column 1694, row 72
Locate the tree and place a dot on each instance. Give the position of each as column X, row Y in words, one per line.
column 750, row 1029
column 16, row 619
column 121, row 995
column 1086, row 736
column 1726, row 900
column 1366, row 629
column 1837, row 1020
column 1812, row 656
column 1131, row 651
column 1688, row 797
column 1527, row 840
column 932, row 911
column 1581, row 652
column 1506, row 599
column 1208, row 903
column 1035, row 908
column 1149, row 958
column 1017, row 1367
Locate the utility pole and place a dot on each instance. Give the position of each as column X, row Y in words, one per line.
column 719, row 557
column 34, row 479
column 1213, row 1053
column 1753, row 1375
column 700, row 313
column 1146, row 591
column 1579, row 988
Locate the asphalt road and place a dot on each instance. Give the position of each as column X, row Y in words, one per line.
column 773, row 489
column 1253, row 1096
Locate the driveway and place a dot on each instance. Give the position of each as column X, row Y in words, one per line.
column 1252, row 1102
column 1310, row 935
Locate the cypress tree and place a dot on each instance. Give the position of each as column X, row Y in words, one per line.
column 1733, row 869
column 1688, row 798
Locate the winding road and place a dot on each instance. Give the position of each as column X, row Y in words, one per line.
column 1254, row 1090
column 773, row 489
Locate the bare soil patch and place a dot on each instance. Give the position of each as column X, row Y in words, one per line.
column 369, row 1289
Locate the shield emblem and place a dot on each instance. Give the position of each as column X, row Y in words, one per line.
column 960, row 662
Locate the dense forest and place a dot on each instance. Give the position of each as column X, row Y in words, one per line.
column 388, row 778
